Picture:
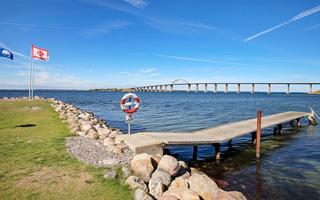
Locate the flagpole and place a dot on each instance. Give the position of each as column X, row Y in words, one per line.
column 30, row 74
column 32, row 78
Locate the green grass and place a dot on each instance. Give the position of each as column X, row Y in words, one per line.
column 34, row 163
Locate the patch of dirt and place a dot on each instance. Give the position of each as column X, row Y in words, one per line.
column 53, row 180
column 31, row 108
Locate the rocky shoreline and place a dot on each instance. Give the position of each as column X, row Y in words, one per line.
column 150, row 176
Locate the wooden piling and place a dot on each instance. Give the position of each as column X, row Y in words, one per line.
column 195, row 152
column 258, row 143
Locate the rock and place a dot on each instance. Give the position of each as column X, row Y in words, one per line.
column 163, row 176
column 108, row 142
column 110, row 175
column 117, row 150
column 113, row 134
column 182, row 194
column 81, row 133
column 183, row 165
column 203, row 185
column 184, row 170
column 111, row 162
column 126, row 172
column 92, row 134
column 85, row 126
column 139, row 194
column 103, row 131
column 135, row 182
column 169, row 164
column 168, row 197
column 237, row 195
column 141, row 165
column 156, row 188
column 155, row 160
column 179, row 183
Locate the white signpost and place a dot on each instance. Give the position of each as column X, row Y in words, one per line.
column 130, row 104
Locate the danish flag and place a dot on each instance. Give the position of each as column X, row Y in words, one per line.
column 38, row 53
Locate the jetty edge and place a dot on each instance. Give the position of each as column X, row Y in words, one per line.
column 151, row 176
column 34, row 163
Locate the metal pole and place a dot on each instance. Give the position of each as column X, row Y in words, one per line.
column 258, row 140
column 32, row 80
column 30, row 73
column 129, row 128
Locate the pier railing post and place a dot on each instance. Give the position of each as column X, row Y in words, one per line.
column 258, row 143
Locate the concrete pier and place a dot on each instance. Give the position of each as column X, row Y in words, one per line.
column 238, row 90
column 253, row 89
column 288, row 88
column 269, row 88
column 226, row 88
column 189, row 88
column 215, row 88
column 154, row 142
column 205, row 88
column 197, row 87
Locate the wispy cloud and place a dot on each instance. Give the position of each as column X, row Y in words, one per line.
column 172, row 26
column 137, row 3
column 145, row 73
column 293, row 19
column 103, row 28
column 313, row 27
column 201, row 60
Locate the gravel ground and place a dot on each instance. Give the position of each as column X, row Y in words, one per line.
column 94, row 152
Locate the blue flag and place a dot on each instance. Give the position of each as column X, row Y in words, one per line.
column 6, row 53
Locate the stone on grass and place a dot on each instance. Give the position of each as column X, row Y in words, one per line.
column 169, row 164
column 184, row 194
column 156, row 188
column 163, row 176
column 139, row 194
column 110, row 162
column 126, row 172
column 179, row 183
column 135, row 182
column 203, row 185
column 110, row 175
column 141, row 165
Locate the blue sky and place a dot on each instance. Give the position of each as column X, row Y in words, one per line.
column 120, row 43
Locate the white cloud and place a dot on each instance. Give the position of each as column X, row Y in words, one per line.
column 201, row 60
column 137, row 3
column 180, row 27
column 293, row 19
column 103, row 28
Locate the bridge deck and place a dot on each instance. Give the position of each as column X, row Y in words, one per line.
column 154, row 141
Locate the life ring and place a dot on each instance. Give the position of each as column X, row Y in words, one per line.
column 125, row 106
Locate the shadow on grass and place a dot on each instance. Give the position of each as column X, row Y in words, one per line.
column 25, row 125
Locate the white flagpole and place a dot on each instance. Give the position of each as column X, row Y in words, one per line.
column 32, row 79
column 30, row 73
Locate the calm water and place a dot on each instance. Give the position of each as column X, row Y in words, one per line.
column 290, row 164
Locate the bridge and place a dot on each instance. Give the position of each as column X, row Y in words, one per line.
column 214, row 85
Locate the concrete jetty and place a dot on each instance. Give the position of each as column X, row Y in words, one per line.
column 154, row 142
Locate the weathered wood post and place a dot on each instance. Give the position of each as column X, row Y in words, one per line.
column 269, row 88
column 258, row 144
column 310, row 88
column 189, row 88
column 195, row 152
column 253, row 90
column 205, row 88
column 288, row 88
column 197, row 87
column 226, row 88
column 171, row 88
column 166, row 88
column 215, row 88
column 238, row 91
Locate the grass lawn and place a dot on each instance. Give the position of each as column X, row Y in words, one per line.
column 34, row 163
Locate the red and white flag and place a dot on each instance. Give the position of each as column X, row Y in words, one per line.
column 38, row 53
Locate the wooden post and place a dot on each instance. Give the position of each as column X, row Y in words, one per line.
column 205, row 88
column 195, row 152
column 258, row 134
column 189, row 88
column 217, row 150
column 215, row 88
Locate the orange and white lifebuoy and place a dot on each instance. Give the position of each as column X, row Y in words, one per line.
column 125, row 106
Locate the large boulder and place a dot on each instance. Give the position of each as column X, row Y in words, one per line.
column 156, row 188
column 179, row 183
column 139, row 194
column 135, row 182
column 164, row 177
column 92, row 134
column 141, row 165
column 85, row 126
column 108, row 142
column 203, row 185
column 184, row 194
column 169, row 164
column 103, row 131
